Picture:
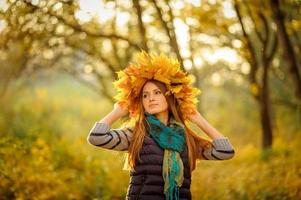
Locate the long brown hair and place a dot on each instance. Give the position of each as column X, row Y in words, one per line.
column 195, row 143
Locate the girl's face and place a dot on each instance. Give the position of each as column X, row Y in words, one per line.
column 153, row 100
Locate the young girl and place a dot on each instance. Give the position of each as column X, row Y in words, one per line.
column 162, row 149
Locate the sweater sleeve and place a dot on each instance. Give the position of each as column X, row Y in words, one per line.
column 221, row 149
column 101, row 135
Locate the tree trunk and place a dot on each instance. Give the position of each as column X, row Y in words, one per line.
column 261, row 94
column 141, row 25
column 289, row 53
column 170, row 31
column 264, row 103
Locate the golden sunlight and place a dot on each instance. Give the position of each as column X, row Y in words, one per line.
column 223, row 54
column 102, row 12
column 95, row 8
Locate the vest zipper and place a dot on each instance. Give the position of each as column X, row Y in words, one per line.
column 142, row 184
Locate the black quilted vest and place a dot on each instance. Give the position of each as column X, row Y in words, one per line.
column 146, row 182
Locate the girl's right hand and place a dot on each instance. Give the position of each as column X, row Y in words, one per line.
column 114, row 115
column 120, row 111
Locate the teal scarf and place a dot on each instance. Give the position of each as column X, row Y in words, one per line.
column 172, row 139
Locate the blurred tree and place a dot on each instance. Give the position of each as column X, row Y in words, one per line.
column 168, row 25
column 259, row 58
column 51, row 28
column 141, row 25
column 251, row 35
column 289, row 53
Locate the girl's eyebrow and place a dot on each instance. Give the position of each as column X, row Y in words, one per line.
column 153, row 90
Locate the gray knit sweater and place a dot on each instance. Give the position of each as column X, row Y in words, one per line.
column 102, row 135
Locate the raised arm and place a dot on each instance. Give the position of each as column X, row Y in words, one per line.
column 102, row 135
column 221, row 148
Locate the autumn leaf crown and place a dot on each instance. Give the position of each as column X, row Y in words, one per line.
column 155, row 67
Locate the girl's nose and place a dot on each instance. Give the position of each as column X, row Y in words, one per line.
column 151, row 97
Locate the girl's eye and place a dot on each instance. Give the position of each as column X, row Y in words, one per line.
column 144, row 96
column 158, row 92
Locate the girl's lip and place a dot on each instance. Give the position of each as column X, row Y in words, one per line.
column 153, row 105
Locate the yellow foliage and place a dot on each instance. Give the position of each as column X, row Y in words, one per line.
column 254, row 89
column 248, row 176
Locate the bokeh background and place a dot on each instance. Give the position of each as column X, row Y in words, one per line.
column 58, row 60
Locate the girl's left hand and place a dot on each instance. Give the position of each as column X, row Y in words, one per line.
column 194, row 117
column 199, row 120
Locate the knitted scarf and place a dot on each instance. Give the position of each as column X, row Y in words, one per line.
column 172, row 139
